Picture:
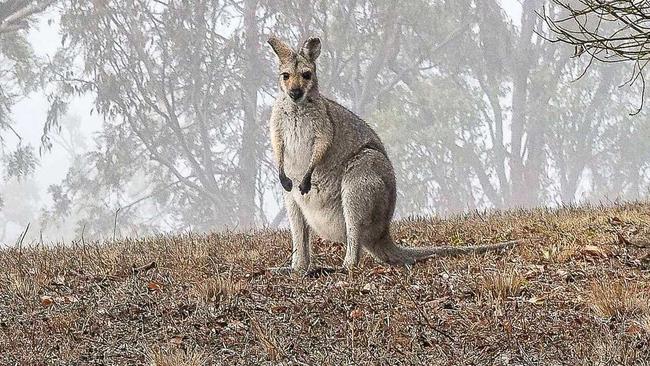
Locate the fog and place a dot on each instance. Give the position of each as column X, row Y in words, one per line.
column 131, row 118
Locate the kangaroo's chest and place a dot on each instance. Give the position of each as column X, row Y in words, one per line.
column 298, row 137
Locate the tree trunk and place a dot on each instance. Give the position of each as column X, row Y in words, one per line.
column 248, row 166
column 521, row 194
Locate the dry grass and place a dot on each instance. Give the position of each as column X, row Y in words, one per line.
column 501, row 286
column 23, row 288
column 615, row 299
column 218, row 288
column 644, row 323
column 176, row 357
column 267, row 340
column 575, row 293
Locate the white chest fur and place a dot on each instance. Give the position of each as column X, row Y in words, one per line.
column 297, row 128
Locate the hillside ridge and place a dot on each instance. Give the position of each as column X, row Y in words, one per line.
column 576, row 292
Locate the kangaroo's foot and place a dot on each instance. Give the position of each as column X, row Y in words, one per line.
column 313, row 272
column 289, row 270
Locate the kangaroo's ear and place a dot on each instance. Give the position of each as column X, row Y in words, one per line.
column 281, row 49
column 311, row 49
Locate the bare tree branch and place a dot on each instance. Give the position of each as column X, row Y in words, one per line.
column 608, row 31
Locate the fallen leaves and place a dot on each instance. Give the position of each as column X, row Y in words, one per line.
column 594, row 251
column 634, row 329
column 377, row 271
column 356, row 314
column 154, row 286
column 47, row 300
column 279, row 309
column 69, row 299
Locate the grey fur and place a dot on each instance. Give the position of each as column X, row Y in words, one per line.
column 347, row 188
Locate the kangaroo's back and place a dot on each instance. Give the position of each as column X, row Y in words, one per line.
column 351, row 133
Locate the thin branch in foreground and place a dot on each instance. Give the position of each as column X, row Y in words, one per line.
column 608, row 31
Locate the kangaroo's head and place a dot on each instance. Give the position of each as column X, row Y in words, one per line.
column 297, row 71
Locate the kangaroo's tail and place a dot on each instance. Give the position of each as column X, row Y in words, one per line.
column 388, row 252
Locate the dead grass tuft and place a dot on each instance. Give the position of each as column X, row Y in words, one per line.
column 559, row 253
column 619, row 300
column 177, row 357
column 218, row 288
column 22, row 287
column 267, row 340
column 501, row 285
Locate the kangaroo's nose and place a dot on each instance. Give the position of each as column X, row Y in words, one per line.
column 295, row 93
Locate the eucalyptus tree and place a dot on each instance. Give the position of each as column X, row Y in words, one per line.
column 477, row 109
column 19, row 75
column 501, row 121
column 185, row 89
column 178, row 83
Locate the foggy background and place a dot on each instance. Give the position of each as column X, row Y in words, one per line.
column 158, row 110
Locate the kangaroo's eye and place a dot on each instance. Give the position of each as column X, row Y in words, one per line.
column 285, row 76
column 306, row 75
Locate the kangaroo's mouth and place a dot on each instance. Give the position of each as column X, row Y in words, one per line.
column 298, row 100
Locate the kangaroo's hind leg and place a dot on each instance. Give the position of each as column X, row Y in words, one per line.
column 366, row 205
column 301, row 247
column 301, row 255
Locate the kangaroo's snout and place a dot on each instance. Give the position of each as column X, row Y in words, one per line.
column 296, row 93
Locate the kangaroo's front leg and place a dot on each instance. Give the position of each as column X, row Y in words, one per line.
column 278, row 150
column 323, row 134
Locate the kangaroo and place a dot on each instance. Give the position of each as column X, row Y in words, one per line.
column 346, row 188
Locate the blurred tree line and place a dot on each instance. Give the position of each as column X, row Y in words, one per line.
column 478, row 110
column 19, row 75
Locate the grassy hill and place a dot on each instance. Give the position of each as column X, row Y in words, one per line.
column 576, row 293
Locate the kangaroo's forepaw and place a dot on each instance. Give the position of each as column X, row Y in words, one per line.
column 287, row 184
column 305, row 186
